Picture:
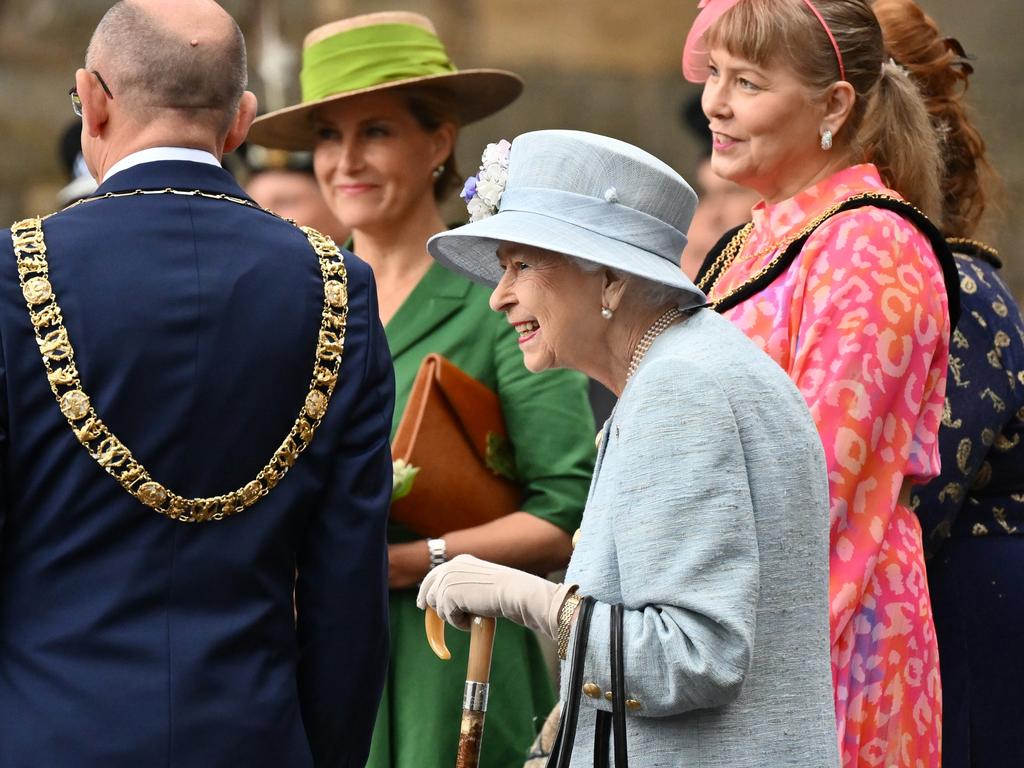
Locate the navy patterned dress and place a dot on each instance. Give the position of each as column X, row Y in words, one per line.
column 972, row 519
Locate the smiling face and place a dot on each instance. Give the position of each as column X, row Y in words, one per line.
column 374, row 161
column 553, row 304
column 765, row 125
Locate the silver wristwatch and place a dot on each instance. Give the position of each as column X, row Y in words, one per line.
column 438, row 554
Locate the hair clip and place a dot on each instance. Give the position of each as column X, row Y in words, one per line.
column 961, row 59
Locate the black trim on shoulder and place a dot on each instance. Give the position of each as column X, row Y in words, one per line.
column 975, row 249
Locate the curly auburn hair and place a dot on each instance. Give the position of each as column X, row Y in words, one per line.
column 939, row 68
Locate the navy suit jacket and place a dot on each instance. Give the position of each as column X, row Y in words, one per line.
column 129, row 640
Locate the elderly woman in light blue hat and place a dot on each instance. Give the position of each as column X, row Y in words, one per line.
column 706, row 520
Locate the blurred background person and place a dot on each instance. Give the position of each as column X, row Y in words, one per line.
column 721, row 204
column 972, row 515
column 284, row 182
column 853, row 305
column 80, row 182
column 382, row 125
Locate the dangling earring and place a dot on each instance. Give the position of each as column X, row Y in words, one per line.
column 436, row 173
column 606, row 313
column 826, row 140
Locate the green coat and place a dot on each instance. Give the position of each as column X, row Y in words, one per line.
column 552, row 432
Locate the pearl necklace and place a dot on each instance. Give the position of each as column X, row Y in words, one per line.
column 657, row 328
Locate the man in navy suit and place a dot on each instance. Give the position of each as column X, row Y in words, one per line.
column 195, row 401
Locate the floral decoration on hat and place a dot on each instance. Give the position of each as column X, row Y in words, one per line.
column 482, row 192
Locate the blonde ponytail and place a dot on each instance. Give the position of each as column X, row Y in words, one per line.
column 898, row 137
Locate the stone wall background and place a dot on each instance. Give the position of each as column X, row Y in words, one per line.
column 610, row 66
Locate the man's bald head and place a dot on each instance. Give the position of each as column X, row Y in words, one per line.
column 187, row 56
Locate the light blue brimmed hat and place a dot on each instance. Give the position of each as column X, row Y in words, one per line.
column 588, row 196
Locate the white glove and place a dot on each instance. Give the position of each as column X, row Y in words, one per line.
column 466, row 585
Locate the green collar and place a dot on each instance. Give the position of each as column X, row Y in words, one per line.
column 436, row 297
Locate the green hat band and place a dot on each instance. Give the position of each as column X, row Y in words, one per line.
column 368, row 56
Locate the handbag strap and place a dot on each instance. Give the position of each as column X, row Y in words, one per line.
column 613, row 723
column 618, row 687
column 561, row 750
column 607, row 723
column 602, row 738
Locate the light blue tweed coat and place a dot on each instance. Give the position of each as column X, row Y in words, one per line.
column 708, row 519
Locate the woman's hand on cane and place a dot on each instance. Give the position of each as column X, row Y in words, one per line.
column 467, row 586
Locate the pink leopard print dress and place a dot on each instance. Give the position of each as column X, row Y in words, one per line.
column 860, row 323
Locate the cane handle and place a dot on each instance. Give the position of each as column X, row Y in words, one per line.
column 435, row 634
column 481, row 643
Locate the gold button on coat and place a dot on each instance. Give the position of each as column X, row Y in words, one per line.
column 593, row 690
column 632, row 705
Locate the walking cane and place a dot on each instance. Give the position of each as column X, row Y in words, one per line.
column 478, row 673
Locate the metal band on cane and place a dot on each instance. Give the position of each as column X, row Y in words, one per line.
column 474, row 697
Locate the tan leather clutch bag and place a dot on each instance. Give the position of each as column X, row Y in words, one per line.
column 453, row 431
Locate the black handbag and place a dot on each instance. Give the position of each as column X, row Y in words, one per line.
column 607, row 724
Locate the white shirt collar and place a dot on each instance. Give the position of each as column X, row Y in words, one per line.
column 154, row 154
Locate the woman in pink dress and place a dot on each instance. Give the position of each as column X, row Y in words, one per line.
column 844, row 285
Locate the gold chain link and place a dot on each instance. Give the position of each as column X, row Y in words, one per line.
column 169, row 191
column 725, row 258
column 732, row 250
column 104, row 447
column 983, row 247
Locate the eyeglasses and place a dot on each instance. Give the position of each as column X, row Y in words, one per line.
column 76, row 100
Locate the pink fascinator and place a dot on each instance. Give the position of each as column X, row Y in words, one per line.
column 695, row 52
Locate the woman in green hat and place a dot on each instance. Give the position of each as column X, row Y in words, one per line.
column 381, row 109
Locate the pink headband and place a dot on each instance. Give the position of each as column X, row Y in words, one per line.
column 695, row 53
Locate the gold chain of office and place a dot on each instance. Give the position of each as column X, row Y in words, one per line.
column 104, row 447
column 730, row 253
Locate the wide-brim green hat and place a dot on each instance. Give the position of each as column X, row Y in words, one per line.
column 392, row 49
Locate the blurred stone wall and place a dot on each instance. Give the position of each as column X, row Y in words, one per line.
column 610, row 66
